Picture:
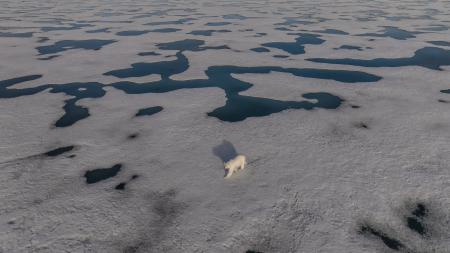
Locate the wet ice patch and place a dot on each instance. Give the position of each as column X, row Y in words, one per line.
column 427, row 57
column 297, row 47
column 217, row 23
column 392, row 32
column 132, row 33
column 234, row 16
column 188, row 45
column 350, row 47
column 419, row 230
column 16, row 35
column 59, row 151
column 172, row 22
column 64, row 45
column 331, row 31
column 97, row 175
column 440, row 43
column 148, row 111
column 260, row 50
column 208, row 32
column 163, row 68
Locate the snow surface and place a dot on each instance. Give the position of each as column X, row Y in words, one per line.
column 322, row 180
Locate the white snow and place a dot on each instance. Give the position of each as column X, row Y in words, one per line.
column 313, row 176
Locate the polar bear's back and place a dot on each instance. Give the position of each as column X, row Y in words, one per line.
column 239, row 160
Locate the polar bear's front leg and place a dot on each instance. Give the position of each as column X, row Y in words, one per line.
column 229, row 173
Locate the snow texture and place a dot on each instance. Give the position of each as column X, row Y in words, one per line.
column 348, row 150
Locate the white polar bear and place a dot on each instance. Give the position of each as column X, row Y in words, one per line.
column 235, row 164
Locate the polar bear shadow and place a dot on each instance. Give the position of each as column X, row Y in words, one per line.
column 225, row 151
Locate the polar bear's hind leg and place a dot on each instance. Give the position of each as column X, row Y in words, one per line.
column 244, row 162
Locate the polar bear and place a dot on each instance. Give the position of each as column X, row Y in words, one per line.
column 235, row 164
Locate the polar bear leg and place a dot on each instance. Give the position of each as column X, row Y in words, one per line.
column 229, row 173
